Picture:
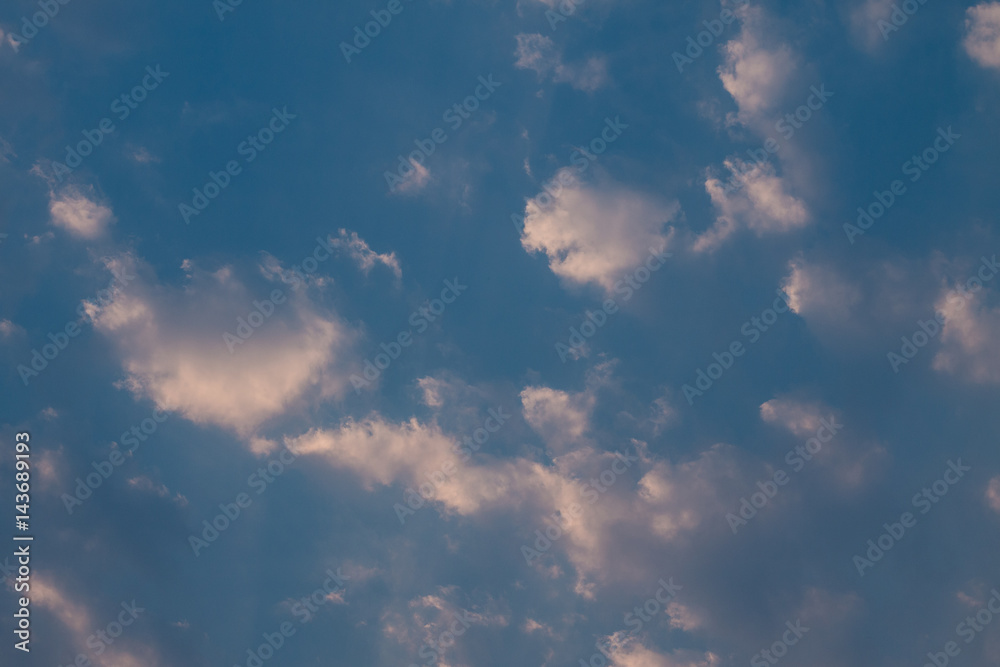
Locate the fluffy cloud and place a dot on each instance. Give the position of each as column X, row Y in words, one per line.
column 595, row 234
column 820, row 295
column 760, row 203
column 172, row 347
column 755, row 76
column 982, row 41
column 560, row 418
column 968, row 338
column 538, row 53
column 850, row 462
column 77, row 212
column 366, row 258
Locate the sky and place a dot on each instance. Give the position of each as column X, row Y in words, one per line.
column 420, row 332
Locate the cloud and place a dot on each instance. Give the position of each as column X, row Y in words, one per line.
column 413, row 181
column 365, row 258
column 819, row 294
column 627, row 650
column 982, row 41
column 968, row 338
column 761, row 204
column 538, row 53
column 594, row 234
column 172, row 347
column 8, row 329
column 753, row 75
column 377, row 451
column 560, row 418
column 81, row 623
column 799, row 418
column 78, row 213
column 850, row 462
column 865, row 19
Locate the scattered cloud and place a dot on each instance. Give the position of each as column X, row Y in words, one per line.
column 539, row 53
column 365, row 258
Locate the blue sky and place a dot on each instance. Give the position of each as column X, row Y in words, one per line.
column 526, row 333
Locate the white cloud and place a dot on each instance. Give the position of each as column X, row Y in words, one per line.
column 366, row 258
column 78, row 213
column 762, row 205
column 754, row 75
column 800, row 418
column 595, row 234
column 968, row 338
column 560, row 418
column 538, row 53
column 982, row 41
column 173, row 351
column 820, row 295
column 377, row 451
